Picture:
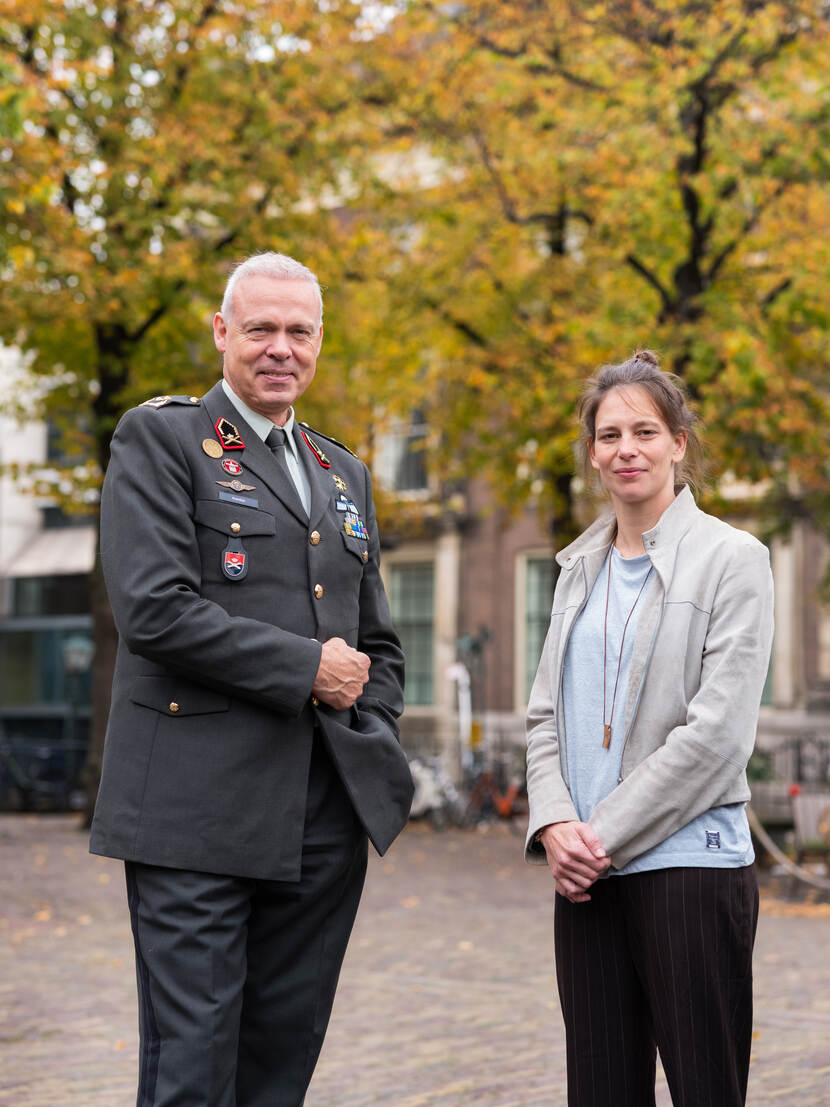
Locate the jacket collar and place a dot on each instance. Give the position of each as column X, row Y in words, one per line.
column 659, row 542
column 320, row 479
column 256, row 456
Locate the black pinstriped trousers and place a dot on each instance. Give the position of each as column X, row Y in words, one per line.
column 658, row 961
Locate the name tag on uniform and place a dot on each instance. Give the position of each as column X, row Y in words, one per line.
column 244, row 501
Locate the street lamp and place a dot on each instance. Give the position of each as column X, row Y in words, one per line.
column 78, row 650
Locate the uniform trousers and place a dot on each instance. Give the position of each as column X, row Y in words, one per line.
column 236, row 977
column 658, row 961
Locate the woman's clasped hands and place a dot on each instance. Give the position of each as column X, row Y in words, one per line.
column 576, row 858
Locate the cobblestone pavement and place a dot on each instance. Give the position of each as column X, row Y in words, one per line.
column 447, row 997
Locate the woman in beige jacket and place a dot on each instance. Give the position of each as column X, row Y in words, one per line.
column 641, row 721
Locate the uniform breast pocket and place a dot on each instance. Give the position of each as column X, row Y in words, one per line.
column 357, row 547
column 234, row 541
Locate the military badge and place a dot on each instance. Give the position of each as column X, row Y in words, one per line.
column 353, row 526
column 228, row 435
column 235, row 560
column 339, row 482
column 232, row 466
column 237, row 485
column 315, row 449
column 156, row 401
column 234, row 564
column 211, row 447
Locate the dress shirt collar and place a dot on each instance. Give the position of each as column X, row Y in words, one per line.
column 261, row 424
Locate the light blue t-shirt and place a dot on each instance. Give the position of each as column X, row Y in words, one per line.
column 720, row 837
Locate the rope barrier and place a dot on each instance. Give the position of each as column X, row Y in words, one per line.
column 795, row 870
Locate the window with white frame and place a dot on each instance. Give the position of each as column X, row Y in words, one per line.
column 539, row 579
column 411, row 599
column 401, row 457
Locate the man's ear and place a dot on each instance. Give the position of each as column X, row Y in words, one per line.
column 220, row 332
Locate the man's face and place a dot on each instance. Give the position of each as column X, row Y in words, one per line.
column 270, row 343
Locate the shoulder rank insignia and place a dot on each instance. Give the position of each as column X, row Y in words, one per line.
column 163, row 401
column 315, row 449
column 329, row 438
column 228, row 435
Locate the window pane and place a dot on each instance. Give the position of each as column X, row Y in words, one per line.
column 538, row 602
column 401, row 461
column 63, row 595
column 45, row 666
column 411, row 600
column 410, row 468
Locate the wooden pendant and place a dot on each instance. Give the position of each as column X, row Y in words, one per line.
column 606, row 737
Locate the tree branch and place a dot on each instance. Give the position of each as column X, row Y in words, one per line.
column 553, row 221
column 777, row 290
column 460, row 325
column 749, row 224
column 654, row 281
column 135, row 336
column 555, row 68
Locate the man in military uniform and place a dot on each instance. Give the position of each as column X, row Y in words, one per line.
column 252, row 743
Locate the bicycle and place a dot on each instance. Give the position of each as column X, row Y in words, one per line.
column 436, row 796
column 495, row 795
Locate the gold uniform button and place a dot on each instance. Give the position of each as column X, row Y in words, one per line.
column 193, row 399
column 314, row 537
column 365, row 555
column 315, row 701
column 236, row 528
column 318, row 591
column 174, row 706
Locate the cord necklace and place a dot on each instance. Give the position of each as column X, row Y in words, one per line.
column 606, row 726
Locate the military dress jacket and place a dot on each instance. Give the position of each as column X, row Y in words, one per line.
column 223, row 590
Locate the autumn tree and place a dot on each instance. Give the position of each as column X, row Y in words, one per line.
column 144, row 146
column 499, row 195
column 587, row 178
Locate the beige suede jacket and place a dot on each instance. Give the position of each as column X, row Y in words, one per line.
column 698, row 667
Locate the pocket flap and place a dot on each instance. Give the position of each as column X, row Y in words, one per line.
column 218, row 515
column 357, row 546
column 177, row 697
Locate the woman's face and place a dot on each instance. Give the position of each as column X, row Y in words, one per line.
column 634, row 451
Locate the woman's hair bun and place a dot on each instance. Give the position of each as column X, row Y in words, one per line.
column 648, row 356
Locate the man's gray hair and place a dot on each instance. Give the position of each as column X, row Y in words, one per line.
column 270, row 264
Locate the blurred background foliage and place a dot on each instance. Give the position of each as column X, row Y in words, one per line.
column 498, row 197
